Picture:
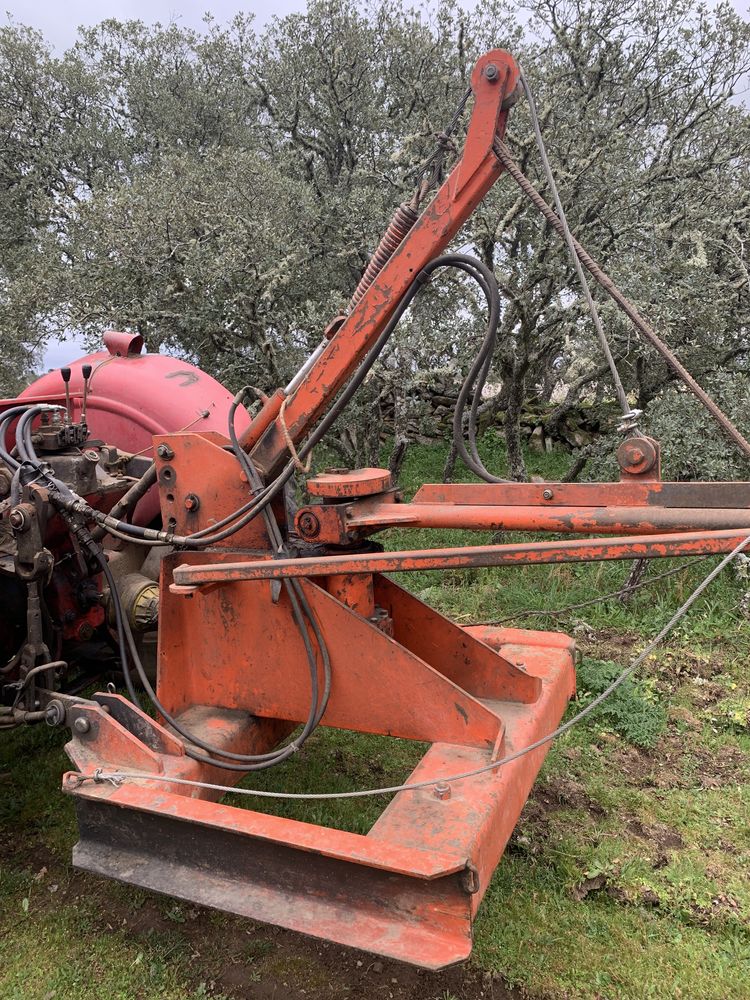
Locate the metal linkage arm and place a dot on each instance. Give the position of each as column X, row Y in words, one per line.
column 494, row 81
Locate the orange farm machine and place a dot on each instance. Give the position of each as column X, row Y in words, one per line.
column 148, row 527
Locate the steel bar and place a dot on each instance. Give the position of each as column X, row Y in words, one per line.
column 627, row 493
column 570, row 520
column 527, row 553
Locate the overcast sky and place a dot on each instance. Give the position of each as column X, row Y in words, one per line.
column 59, row 21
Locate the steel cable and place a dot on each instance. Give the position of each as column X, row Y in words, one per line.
column 117, row 777
column 629, row 415
column 645, row 329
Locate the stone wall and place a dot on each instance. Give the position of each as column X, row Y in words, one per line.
column 430, row 418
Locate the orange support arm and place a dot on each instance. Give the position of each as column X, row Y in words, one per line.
column 494, row 81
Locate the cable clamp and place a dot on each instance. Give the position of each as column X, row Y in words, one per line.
column 629, row 421
column 99, row 777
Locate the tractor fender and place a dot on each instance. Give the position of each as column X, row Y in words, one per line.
column 133, row 396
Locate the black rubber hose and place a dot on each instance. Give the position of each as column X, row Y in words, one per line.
column 245, row 514
column 5, row 420
column 129, row 500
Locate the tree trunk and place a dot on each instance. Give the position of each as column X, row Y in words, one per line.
column 400, row 437
column 516, row 464
column 396, row 460
column 638, row 569
column 450, row 463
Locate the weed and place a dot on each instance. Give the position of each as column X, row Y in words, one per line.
column 631, row 710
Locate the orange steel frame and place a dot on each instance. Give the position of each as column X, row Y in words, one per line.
column 232, row 666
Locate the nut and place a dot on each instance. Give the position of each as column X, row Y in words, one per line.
column 164, row 451
column 308, row 524
column 55, row 714
column 548, row 494
column 638, row 456
column 491, row 71
column 192, row 502
column 442, row 790
column 18, row 519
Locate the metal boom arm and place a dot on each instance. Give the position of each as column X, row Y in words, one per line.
column 494, row 81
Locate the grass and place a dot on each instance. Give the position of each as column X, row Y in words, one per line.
column 627, row 874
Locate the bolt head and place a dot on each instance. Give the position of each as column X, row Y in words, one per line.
column 55, row 713
column 85, row 631
column 18, row 519
column 164, row 451
column 308, row 525
column 81, row 725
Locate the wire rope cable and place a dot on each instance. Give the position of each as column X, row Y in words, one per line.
column 117, row 777
column 629, row 415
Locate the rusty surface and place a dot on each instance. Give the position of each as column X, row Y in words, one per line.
column 344, row 484
column 408, row 890
column 235, row 647
column 233, row 666
column 403, row 220
column 623, row 494
column 523, row 553
column 640, row 458
column 609, row 520
column 356, row 592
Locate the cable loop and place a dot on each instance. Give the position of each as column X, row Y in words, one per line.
column 303, row 467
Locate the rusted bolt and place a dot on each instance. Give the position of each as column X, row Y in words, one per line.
column 491, row 71
column 85, row 631
column 18, row 519
column 442, row 790
column 637, row 456
column 548, row 494
column 55, row 714
column 164, row 451
column 81, row 725
column 308, row 524
column 192, row 502
column 91, row 456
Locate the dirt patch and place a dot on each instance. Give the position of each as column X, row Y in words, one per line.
column 608, row 644
column 559, row 793
column 250, row 961
column 658, row 834
column 679, row 762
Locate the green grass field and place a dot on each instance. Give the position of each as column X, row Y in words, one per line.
column 627, row 877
